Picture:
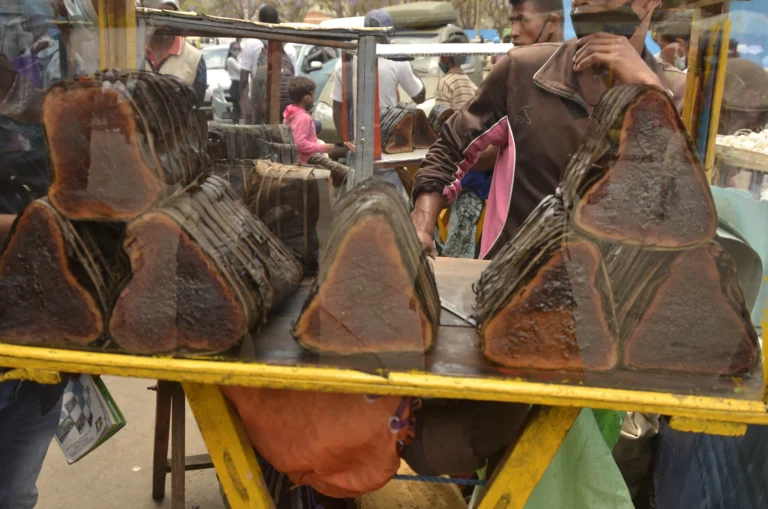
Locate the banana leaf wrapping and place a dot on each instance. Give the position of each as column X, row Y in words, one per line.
column 636, row 178
column 119, row 142
column 438, row 116
column 294, row 202
column 54, row 282
column 375, row 292
column 273, row 142
column 339, row 172
column 204, row 272
column 681, row 310
column 545, row 300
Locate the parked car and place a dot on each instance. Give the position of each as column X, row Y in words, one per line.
column 316, row 63
column 215, row 59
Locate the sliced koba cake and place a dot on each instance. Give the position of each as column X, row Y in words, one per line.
column 685, row 312
column 545, row 302
column 118, row 140
column 204, row 272
column 53, row 287
column 375, row 292
column 636, row 178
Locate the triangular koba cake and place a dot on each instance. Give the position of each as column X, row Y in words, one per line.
column 438, row 116
column 682, row 311
column 294, row 202
column 375, row 292
column 53, row 285
column 545, row 302
column 117, row 140
column 636, row 178
column 397, row 130
column 204, row 272
column 423, row 134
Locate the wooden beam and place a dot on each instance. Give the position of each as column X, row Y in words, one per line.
column 274, row 71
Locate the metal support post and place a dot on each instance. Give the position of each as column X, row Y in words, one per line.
column 365, row 108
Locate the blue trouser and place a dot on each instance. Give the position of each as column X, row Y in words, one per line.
column 29, row 415
column 698, row 471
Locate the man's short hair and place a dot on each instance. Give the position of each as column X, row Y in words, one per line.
column 458, row 38
column 268, row 14
column 672, row 25
column 544, row 6
column 299, row 87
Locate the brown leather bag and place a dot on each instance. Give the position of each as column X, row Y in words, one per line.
column 342, row 445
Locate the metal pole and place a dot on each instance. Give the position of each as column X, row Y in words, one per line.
column 365, row 107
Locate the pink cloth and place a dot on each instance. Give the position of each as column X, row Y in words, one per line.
column 304, row 134
column 499, row 135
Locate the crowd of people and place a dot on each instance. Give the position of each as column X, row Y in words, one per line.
column 496, row 158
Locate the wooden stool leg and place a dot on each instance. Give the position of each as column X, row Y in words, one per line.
column 178, row 454
column 527, row 460
column 162, row 434
column 230, row 450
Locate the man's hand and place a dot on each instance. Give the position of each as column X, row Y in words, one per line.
column 424, row 216
column 350, row 146
column 427, row 243
column 617, row 54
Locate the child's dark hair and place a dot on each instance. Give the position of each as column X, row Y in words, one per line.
column 300, row 86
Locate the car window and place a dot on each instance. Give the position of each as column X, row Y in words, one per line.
column 215, row 58
column 317, row 54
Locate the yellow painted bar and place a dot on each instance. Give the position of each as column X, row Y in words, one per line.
column 41, row 377
column 727, row 429
column 231, row 452
column 717, row 95
column 117, row 34
column 692, row 78
column 395, row 383
column 529, row 458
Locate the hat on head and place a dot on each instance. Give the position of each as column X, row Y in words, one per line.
column 378, row 19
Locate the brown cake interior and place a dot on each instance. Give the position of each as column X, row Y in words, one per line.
column 557, row 320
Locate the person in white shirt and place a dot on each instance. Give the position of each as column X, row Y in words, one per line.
column 232, row 66
column 254, row 68
column 391, row 75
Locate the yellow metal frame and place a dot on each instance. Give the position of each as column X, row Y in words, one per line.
column 393, row 383
column 529, row 458
column 229, row 448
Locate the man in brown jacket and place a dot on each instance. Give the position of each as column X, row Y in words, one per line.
column 537, row 101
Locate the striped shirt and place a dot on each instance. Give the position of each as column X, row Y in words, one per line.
column 455, row 89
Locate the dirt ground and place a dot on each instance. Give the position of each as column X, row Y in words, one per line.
column 118, row 475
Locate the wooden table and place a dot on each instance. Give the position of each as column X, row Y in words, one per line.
column 455, row 368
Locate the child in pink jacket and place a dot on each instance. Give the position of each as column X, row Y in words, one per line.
column 301, row 90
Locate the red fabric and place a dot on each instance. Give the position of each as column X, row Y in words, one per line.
column 339, row 444
column 304, row 134
column 173, row 50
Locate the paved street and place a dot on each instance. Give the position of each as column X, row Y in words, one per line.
column 118, row 475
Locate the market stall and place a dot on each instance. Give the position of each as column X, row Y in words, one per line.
column 714, row 397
